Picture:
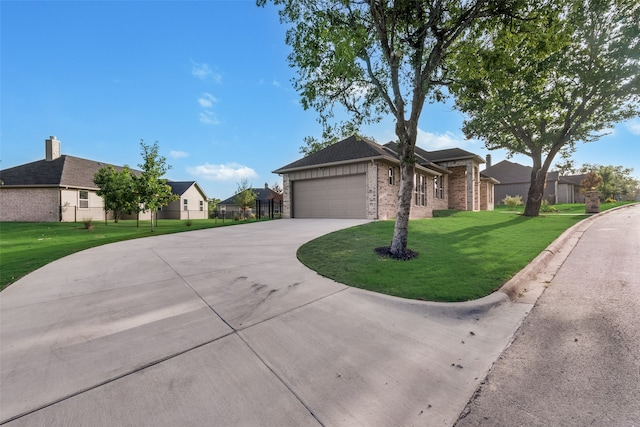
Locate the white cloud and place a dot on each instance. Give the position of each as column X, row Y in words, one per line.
column 178, row 154
column 209, row 118
column 633, row 126
column 276, row 83
column 227, row 172
column 202, row 71
column 433, row 141
column 207, row 100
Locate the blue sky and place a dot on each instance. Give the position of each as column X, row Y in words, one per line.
column 208, row 80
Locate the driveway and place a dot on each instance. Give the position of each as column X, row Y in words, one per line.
column 225, row 327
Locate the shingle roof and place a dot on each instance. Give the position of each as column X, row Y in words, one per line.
column 572, row 179
column 262, row 195
column 508, row 172
column 63, row 171
column 421, row 155
column 179, row 187
column 351, row 148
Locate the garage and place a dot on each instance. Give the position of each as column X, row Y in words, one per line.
column 335, row 197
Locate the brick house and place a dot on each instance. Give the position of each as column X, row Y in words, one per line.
column 358, row 178
column 60, row 188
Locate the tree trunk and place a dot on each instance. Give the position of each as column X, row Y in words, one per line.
column 536, row 191
column 405, row 194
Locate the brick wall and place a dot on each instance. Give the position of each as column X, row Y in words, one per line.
column 457, row 187
column 29, row 204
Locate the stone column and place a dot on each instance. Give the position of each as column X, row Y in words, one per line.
column 592, row 202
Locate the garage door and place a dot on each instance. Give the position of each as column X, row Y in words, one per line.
column 335, row 197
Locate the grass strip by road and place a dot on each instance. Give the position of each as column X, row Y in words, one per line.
column 462, row 255
column 27, row 246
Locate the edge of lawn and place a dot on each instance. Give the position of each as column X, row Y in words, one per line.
column 463, row 255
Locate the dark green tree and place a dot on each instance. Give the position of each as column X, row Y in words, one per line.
column 153, row 190
column 118, row 190
column 537, row 86
column 377, row 58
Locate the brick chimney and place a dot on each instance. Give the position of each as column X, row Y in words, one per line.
column 488, row 160
column 266, row 185
column 51, row 148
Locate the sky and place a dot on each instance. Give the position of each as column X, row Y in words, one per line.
column 208, row 80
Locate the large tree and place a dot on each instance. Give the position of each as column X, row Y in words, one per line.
column 377, row 58
column 153, row 190
column 118, row 190
column 566, row 73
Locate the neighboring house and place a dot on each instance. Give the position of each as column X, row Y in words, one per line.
column 357, row 178
column 515, row 179
column 267, row 202
column 192, row 203
column 59, row 188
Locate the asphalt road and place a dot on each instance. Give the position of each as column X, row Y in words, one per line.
column 575, row 360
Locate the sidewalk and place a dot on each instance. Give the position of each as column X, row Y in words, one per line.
column 575, row 360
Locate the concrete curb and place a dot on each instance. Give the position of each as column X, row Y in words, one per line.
column 532, row 280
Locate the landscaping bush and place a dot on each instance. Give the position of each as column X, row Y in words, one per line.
column 546, row 207
column 512, row 201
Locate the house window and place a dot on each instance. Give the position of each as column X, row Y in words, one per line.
column 185, row 204
column 418, row 190
column 438, row 187
column 83, row 199
column 201, row 205
column 392, row 178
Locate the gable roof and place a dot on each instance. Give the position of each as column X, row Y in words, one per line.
column 65, row 171
column 262, row 195
column 572, row 179
column 509, row 172
column 349, row 149
column 181, row 187
column 448, row 155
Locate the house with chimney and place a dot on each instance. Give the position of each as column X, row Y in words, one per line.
column 60, row 188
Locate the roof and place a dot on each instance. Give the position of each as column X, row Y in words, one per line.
column 509, row 172
column 263, row 194
column 65, row 171
column 422, row 157
column 572, row 179
column 351, row 148
column 449, row 155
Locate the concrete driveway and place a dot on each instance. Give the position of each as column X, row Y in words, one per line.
column 225, row 327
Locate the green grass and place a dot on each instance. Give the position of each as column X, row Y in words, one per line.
column 27, row 246
column 462, row 255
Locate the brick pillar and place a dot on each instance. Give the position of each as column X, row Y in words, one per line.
column 592, row 202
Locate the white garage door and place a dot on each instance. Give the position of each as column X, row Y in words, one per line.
column 335, row 197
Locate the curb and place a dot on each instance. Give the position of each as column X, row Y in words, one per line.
column 533, row 278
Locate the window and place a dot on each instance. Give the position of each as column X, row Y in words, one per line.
column 419, row 190
column 438, row 187
column 392, row 178
column 83, row 199
column 185, row 203
column 201, row 205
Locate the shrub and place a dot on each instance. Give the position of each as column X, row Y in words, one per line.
column 610, row 200
column 88, row 223
column 546, row 207
column 188, row 223
column 512, row 201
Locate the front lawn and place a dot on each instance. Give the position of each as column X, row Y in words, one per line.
column 27, row 246
column 462, row 255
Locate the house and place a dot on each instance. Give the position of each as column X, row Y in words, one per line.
column 192, row 203
column 268, row 203
column 358, row 178
column 515, row 179
column 60, row 188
